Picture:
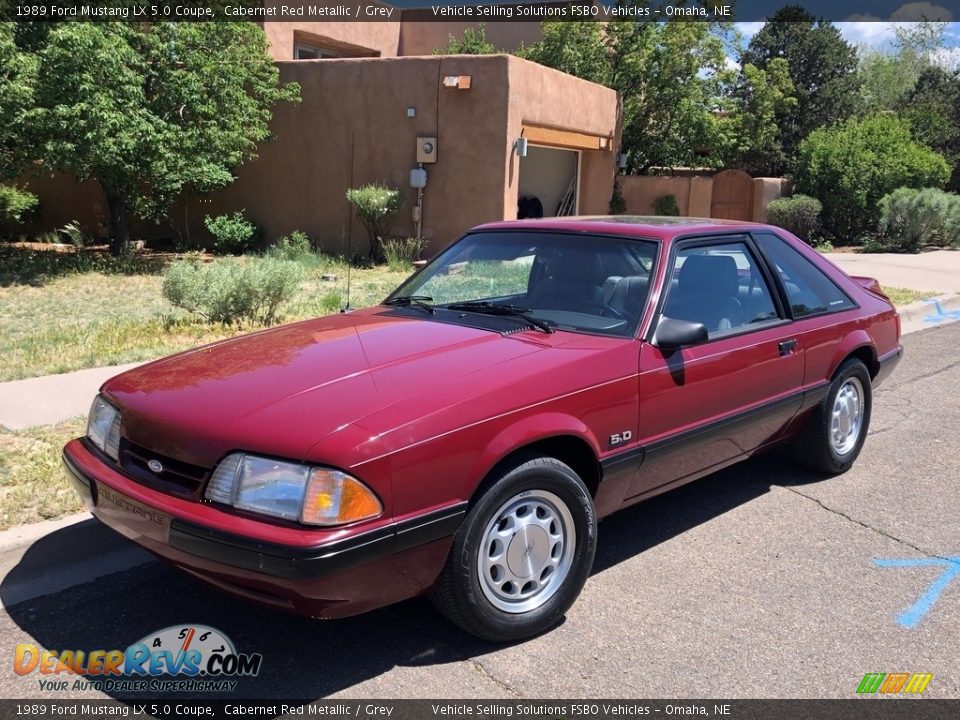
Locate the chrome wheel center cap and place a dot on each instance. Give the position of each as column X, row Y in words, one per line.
column 528, row 551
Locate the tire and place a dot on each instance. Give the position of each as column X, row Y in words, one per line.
column 830, row 444
column 536, row 525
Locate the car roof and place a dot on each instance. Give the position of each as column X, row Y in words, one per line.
column 648, row 226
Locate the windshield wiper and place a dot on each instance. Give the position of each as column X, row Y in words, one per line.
column 489, row 308
column 421, row 301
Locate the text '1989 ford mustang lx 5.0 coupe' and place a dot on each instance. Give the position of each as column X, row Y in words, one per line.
column 463, row 437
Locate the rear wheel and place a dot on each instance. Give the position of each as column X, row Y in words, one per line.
column 523, row 553
column 838, row 426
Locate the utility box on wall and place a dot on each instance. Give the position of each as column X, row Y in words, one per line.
column 426, row 150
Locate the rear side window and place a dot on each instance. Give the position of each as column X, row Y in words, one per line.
column 809, row 291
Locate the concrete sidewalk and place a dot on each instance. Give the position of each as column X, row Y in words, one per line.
column 937, row 271
column 52, row 398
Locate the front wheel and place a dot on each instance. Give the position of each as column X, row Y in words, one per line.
column 523, row 553
column 838, row 426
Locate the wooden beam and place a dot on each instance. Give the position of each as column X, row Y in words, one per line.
column 565, row 138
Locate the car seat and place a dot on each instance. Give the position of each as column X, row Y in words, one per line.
column 707, row 292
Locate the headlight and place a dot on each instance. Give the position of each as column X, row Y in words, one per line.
column 293, row 491
column 103, row 427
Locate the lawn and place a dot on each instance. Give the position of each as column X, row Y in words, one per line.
column 33, row 486
column 58, row 313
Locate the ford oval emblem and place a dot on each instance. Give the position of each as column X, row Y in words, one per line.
column 156, row 466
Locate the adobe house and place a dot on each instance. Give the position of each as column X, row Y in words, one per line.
column 376, row 104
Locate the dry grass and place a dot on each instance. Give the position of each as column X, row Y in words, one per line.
column 905, row 296
column 33, row 485
column 71, row 319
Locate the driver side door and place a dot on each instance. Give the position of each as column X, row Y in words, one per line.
column 705, row 406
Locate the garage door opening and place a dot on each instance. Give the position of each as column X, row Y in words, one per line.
column 549, row 182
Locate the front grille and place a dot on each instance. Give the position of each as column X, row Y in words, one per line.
column 176, row 478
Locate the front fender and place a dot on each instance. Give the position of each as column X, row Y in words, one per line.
column 527, row 431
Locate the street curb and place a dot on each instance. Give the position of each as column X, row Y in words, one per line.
column 932, row 312
column 22, row 535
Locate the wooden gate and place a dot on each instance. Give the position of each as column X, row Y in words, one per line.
column 732, row 196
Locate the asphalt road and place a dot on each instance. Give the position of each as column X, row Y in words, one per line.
column 760, row 581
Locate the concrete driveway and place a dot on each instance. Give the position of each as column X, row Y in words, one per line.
column 760, row 581
column 937, row 271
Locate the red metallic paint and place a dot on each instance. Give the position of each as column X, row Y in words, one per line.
column 421, row 411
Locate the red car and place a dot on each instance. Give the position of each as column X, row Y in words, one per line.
column 464, row 437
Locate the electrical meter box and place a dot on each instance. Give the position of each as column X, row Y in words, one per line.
column 426, row 150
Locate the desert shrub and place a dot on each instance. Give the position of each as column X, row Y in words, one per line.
column 910, row 219
column 233, row 289
column 666, row 205
column 799, row 214
column 376, row 206
column 296, row 247
column 75, row 235
column 400, row 254
column 618, row 206
column 15, row 203
column 849, row 167
column 232, row 234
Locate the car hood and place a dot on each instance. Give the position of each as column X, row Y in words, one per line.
column 282, row 390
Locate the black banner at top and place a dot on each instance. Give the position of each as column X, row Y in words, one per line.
column 464, row 10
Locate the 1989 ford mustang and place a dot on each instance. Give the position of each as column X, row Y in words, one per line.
column 463, row 438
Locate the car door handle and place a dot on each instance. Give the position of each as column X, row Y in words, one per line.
column 787, row 347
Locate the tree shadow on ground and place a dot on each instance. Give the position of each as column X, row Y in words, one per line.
column 28, row 266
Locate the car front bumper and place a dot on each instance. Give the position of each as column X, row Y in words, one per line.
column 325, row 573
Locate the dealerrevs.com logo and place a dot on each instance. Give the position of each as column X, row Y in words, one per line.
column 894, row 683
column 188, row 658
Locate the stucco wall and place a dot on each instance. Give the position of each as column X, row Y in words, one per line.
column 352, row 128
column 382, row 37
column 693, row 193
column 549, row 98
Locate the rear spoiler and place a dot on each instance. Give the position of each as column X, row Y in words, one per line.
column 869, row 283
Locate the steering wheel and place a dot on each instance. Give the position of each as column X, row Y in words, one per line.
column 607, row 310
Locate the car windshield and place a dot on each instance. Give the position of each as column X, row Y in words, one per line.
column 583, row 283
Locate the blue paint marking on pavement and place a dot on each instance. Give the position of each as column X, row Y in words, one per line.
column 940, row 315
column 914, row 614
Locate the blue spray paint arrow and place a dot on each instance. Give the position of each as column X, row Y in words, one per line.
column 914, row 614
column 940, row 315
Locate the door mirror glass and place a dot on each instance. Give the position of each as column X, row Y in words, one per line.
column 672, row 334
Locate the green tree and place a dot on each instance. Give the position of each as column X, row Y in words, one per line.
column 669, row 77
column 888, row 77
column 153, row 110
column 472, row 42
column 761, row 96
column 933, row 109
column 822, row 69
column 850, row 167
column 17, row 78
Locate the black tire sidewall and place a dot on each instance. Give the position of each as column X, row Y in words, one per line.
column 544, row 474
column 852, row 368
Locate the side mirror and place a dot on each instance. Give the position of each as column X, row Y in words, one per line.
column 672, row 334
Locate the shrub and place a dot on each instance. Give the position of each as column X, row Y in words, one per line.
column 296, row 247
column 799, row 214
column 232, row 234
column 376, row 206
column 233, row 289
column 850, row 167
column 910, row 219
column 666, row 205
column 618, row 206
column 401, row 254
column 75, row 235
column 16, row 203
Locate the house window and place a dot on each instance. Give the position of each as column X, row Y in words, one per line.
column 306, row 51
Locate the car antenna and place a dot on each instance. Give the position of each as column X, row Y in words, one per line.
column 349, row 267
column 353, row 151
